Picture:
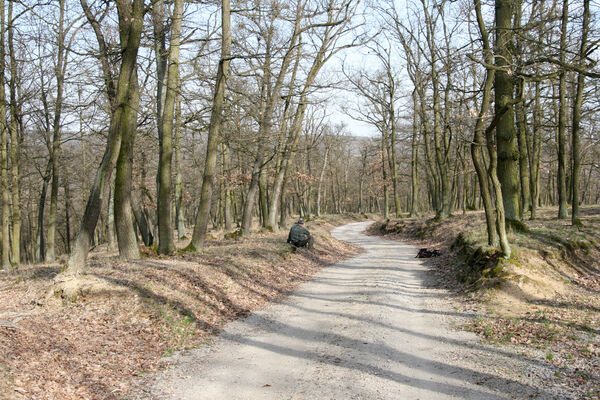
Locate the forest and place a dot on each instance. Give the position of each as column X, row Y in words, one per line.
column 154, row 154
column 127, row 122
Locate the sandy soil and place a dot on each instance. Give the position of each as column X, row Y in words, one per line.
column 365, row 328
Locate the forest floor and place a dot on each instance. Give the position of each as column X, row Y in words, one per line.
column 102, row 344
column 544, row 301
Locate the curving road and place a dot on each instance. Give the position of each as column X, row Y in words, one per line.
column 365, row 328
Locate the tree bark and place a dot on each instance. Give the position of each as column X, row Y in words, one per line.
column 6, row 211
column 166, row 244
column 226, row 162
column 562, row 117
column 110, row 221
column 14, row 145
column 124, row 219
column 60, row 70
column 577, row 103
column 507, row 153
column 521, row 113
column 393, row 158
column 140, row 219
column 443, row 185
column 414, row 160
column 67, row 212
column 214, row 129
column 179, row 212
column 492, row 168
column 534, row 150
column 41, row 242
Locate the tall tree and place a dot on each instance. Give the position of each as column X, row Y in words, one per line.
column 4, row 148
column 577, row 104
column 216, row 119
column 15, row 142
column 133, row 24
column 562, row 116
column 507, row 152
column 124, row 218
column 492, row 173
column 60, row 69
column 165, row 204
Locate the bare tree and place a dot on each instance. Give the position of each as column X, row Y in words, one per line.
column 132, row 23
column 216, row 118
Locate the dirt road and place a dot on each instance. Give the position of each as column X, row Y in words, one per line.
column 366, row 328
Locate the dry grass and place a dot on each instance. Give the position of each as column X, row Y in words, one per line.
column 546, row 298
column 93, row 347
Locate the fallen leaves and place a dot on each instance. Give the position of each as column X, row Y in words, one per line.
column 103, row 346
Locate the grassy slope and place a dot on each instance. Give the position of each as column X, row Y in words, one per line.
column 137, row 312
column 546, row 298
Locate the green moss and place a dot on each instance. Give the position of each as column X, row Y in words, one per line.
column 190, row 248
column 516, row 226
column 497, row 270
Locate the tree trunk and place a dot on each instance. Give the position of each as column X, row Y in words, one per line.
column 124, row 219
column 414, row 160
column 130, row 48
column 110, row 222
column 14, row 145
column 41, row 206
column 507, row 153
column 67, row 212
column 226, row 162
column 165, row 208
column 60, row 71
column 263, row 197
column 478, row 161
column 562, row 117
column 140, row 218
column 577, row 103
column 534, row 153
column 216, row 118
column 521, row 113
column 4, row 150
column 179, row 212
column 386, row 208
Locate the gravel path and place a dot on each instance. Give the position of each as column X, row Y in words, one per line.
column 365, row 328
